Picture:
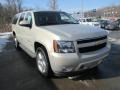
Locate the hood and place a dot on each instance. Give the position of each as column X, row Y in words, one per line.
column 75, row 31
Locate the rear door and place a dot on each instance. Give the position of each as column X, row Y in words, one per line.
column 20, row 29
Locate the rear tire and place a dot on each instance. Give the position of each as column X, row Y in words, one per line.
column 42, row 62
column 16, row 43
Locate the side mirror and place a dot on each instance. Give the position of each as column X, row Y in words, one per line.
column 25, row 23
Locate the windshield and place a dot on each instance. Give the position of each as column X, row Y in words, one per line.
column 53, row 18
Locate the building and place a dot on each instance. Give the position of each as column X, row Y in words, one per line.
column 111, row 12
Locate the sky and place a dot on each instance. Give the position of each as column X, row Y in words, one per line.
column 70, row 5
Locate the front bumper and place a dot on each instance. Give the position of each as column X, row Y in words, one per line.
column 74, row 62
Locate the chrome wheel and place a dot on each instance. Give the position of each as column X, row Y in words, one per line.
column 41, row 61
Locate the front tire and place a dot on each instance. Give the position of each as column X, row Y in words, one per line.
column 42, row 61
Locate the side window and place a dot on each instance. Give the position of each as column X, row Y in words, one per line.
column 64, row 17
column 22, row 17
column 28, row 18
column 14, row 21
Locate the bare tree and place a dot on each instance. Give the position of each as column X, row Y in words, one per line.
column 7, row 11
column 19, row 5
column 53, row 5
column 15, row 5
column 0, row 7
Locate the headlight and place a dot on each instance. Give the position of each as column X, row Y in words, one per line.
column 63, row 46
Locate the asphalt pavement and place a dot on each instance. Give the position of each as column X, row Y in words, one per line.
column 18, row 71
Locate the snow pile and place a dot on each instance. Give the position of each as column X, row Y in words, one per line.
column 109, row 32
column 6, row 33
column 4, row 39
column 117, row 42
column 112, row 39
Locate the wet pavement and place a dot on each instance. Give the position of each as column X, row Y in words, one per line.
column 18, row 72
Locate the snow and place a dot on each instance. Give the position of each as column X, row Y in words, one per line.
column 109, row 32
column 112, row 39
column 6, row 33
column 117, row 42
column 4, row 39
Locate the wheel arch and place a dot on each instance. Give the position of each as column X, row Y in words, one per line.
column 38, row 44
column 14, row 34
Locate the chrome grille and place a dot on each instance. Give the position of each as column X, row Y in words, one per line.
column 91, row 44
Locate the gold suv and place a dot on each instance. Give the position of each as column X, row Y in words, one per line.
column 58, row 42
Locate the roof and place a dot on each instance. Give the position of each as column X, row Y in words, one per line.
column 39, row 11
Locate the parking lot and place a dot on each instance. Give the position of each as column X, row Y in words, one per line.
column 18, row 72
